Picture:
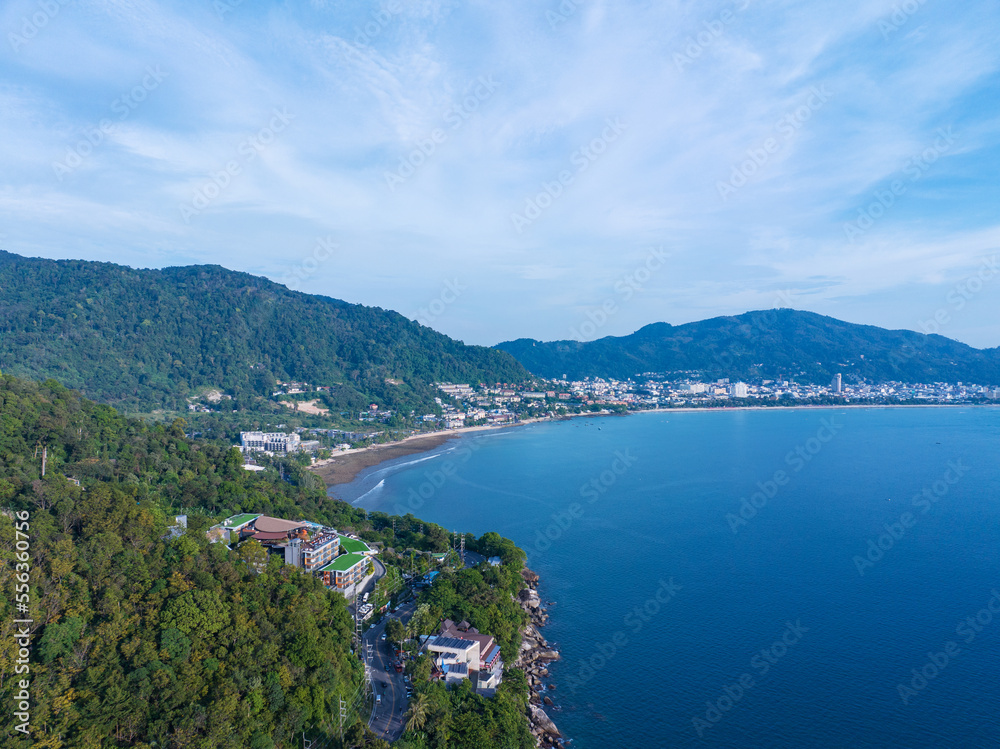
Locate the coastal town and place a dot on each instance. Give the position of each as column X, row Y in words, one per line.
column 464, row 406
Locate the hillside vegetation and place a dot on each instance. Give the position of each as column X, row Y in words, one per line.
column 147, row 339
column 773, row 344
column 144, row 639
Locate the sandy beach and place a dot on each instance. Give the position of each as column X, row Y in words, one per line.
column 344, row 467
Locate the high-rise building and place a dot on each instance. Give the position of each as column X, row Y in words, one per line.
column 837, row 384
column 738, row 389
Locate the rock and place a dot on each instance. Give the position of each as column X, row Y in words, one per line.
column 547, row 701
column 540, row 719
column 529, row 577
column 548, row 655
column 530, row 598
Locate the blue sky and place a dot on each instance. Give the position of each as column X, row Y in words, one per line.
column 533, row 169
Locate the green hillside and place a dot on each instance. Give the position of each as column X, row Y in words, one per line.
column 147, row 339
column 773, row 344
column 138, row 640
column 142, row 639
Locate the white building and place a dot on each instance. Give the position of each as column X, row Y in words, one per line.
column 272, row 442
column 738, row 389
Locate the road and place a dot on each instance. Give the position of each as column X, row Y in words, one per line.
column 472, row 559
column 368, row 587
column 387, row 719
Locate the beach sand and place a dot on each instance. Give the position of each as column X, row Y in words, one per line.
column 344, row 466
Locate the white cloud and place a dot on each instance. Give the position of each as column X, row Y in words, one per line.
column 364, row 103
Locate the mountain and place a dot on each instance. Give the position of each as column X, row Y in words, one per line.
column 780, row 343
column 149, row 338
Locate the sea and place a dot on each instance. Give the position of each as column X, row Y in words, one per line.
column 814, row 577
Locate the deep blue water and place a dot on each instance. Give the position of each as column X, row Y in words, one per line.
column 636, row 670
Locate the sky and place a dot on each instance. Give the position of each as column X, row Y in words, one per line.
column 552, row 169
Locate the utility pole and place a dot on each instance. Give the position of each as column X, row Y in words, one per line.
column 343, row 717
column 45, row 456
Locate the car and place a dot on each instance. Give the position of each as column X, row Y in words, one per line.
column 378, row 699
column 383, row 636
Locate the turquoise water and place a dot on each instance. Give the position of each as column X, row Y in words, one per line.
column 835, row 613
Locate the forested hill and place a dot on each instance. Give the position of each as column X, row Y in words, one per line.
column 138, row 640
column 781, row 343
column 147, row 338
column 144, row 639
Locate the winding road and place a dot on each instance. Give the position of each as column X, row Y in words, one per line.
column 387, row 718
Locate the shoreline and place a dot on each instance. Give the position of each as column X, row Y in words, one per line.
column 534, row 658
column 346, row 466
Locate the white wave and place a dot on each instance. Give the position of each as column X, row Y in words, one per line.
column 375, row 488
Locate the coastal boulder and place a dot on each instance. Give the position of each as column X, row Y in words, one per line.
column 530, row 598
column 543, row 721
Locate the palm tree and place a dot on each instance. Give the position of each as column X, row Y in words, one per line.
column 417, row 713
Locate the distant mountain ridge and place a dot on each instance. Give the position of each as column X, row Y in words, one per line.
column 148, row 338
column 778, row 343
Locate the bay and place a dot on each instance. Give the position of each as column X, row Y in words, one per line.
column 752, row 578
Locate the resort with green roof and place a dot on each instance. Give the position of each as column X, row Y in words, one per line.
column 346, row 570
column 302, row 544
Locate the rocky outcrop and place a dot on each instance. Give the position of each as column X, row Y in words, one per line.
column 533, row 659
